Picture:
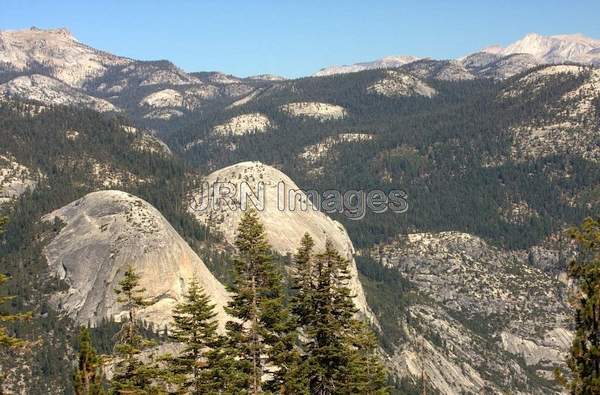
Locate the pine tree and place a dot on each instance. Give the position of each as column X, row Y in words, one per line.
column 327, row 355
column 366, row 370
column 301, row 279
column 88, row 375
column 584, row 358
column 195, row 326
column 339, row 350
column 132, row 376
column 262, row 337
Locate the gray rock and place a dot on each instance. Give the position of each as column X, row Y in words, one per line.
column 104, row 233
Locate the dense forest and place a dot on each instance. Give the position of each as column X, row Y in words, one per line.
column 436, row 149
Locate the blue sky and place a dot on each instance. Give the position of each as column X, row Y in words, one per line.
column 296, row 38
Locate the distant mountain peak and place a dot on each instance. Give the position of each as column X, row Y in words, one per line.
column 34, row 33
column 553, row 49
column 561, row 48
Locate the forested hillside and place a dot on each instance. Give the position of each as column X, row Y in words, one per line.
column 452, row 153
column 494, row 170
column 103, row 155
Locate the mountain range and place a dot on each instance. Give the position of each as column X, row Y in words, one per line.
column 535, row 48
column 53, row 67
column 101, row 157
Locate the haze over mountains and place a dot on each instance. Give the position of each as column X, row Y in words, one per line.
column 499, row 152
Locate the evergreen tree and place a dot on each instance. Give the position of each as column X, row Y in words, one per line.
column 132, row 376
column 88, row 375
column 262, row 337
column 301, row 279
column 327, row 354
column 339, row 350
column 195, row 326
column 584, row 358
column 367, row 372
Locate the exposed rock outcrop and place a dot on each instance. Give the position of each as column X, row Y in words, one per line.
column 315, row 152
column 104, row 233
column 400, row 84
column 316, row 110
column 571, row 122
column 14, row 178
column 284, row 225
column 57, row 51
column 50, row 91
column 244, row 124
column 484, row 320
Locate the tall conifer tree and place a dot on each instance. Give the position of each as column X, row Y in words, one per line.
column 339, row 351
column 6, row 340
column 87, row 378
column 262, row 337
column 195, row 326
column 132, row 375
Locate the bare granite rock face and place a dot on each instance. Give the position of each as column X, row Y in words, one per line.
column 50, row 91
column 483, row 320
column 104, row 233
column 14, row 178
column 284, row 226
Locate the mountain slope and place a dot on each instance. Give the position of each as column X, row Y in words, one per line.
column 384, row 63
column 479, row 318
column 50, row 91
column 500, row 61
column 57, row 52
column 105, row 232
column 284, row 225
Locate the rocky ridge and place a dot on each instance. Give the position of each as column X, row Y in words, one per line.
column 571, row 124
column 400, row 84
column 50, row 91
column 244, row 124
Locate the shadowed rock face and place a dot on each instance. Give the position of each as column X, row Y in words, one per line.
column 284, row 227
column 104, row 233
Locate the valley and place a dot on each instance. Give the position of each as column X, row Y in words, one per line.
column 102, row 158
